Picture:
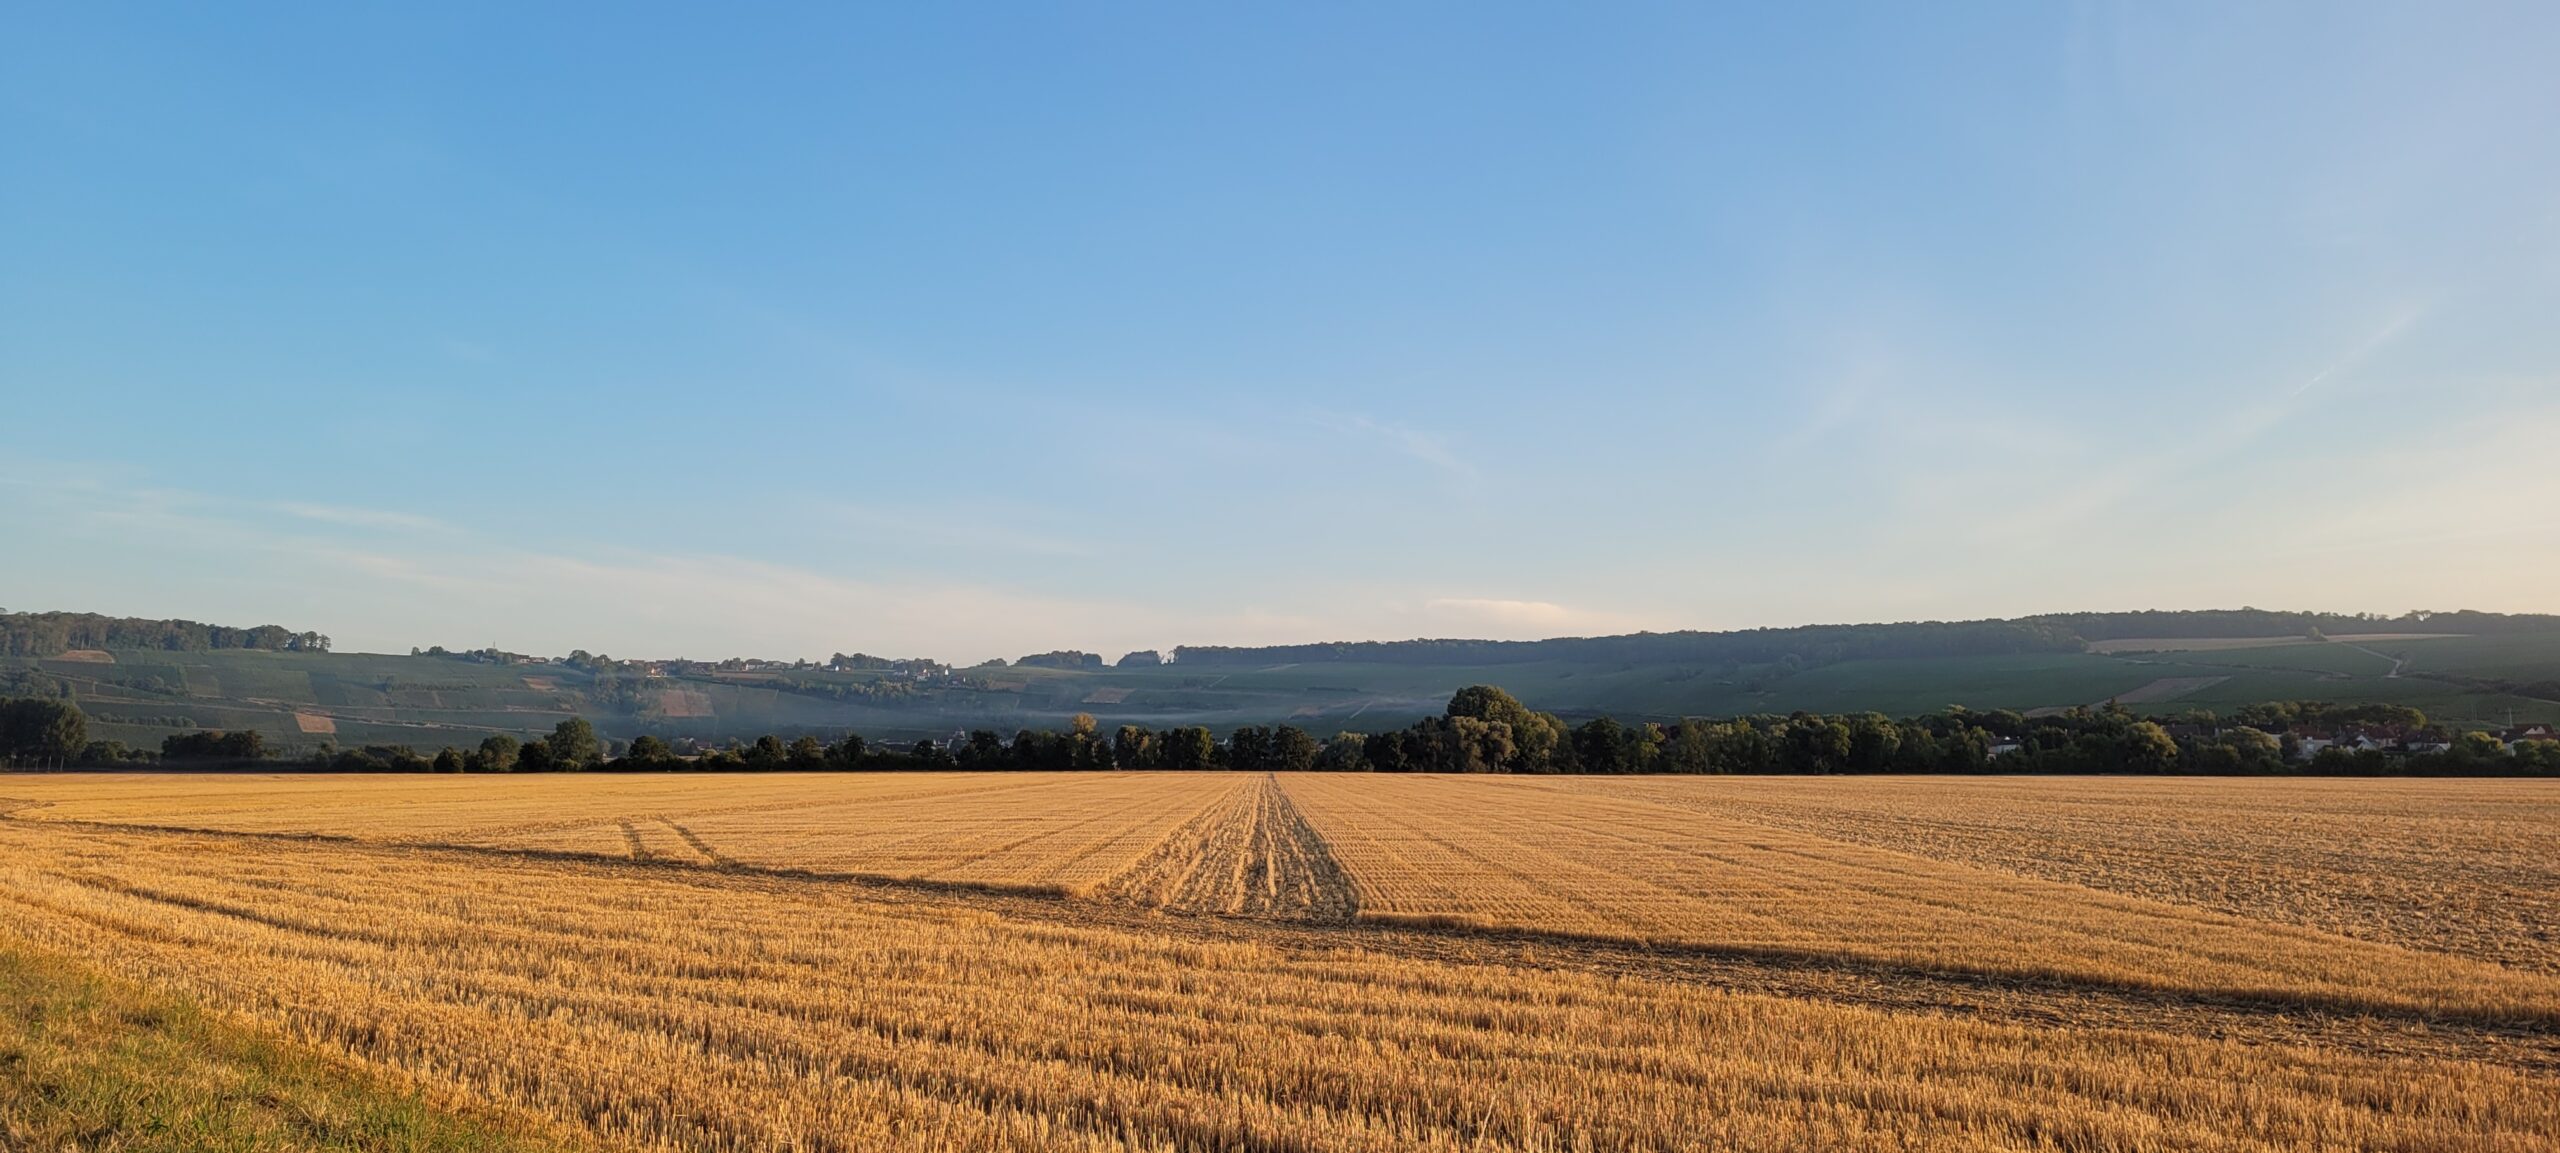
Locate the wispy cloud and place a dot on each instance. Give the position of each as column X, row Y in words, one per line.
column 328, row 567
column 2390, row 330
column 974, row 529
column 1509, row 619
column 373, row 518
column 1431, row 448
column 2071, row 495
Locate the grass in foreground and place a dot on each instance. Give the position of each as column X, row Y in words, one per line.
column 89, row 1062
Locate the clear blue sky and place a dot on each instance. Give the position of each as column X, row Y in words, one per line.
column 968, row 331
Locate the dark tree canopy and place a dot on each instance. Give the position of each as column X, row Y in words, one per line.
column 1811, row 645
column 50, row 634
column 1061, row 659
column 37, row 731
column 215, row 745
column 573, row 745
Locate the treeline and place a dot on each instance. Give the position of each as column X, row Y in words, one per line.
column 2249, row 622
column 50, row 733
column 42, row 732
column 1483, row 730
column 1061, row 659
column 1825, row 644
column 52, row 634
column 1787, row 649
column 1807, row 644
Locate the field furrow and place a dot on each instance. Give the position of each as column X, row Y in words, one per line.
column 1541, row 855
column 721, row 1011
column 1251, row 855
column 2455, row 867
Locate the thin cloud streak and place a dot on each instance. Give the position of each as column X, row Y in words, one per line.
column 1505, row 619
column 362, row 517
column 1430, row 448
column 2382, row 336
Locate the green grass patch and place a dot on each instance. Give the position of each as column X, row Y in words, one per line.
column 2329, row 658
column 90, row 1062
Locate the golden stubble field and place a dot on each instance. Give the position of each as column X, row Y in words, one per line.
column 1218, row 961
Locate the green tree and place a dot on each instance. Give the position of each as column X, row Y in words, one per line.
column 1191, row 747
column 2148, row 748
column 1249, row 749
column 1293, row 750
column 1815, row 744
column 496, row 755
column 1600, row 746
column 983, row 750
column 449, row 760
column 1873, row 742
column 1741, row 747
column 42, row 731
column 1133, row 747
column 1482, row 746
column 536, row 757
column 573, row 744
column 1345, row 753
column 647, row 749
column 2478, row 746
column 1388, row 752
column 1535, row 736
column 1459, row 745
column 806, row 753
column 1689, row 748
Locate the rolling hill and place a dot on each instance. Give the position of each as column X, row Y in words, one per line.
column 2478, row 668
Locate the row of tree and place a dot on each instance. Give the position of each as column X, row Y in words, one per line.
column 2254, row 622
column 42, row 731
column 51, row 634
column 1483, row 730
column 1805, row 645
column 1812, row 645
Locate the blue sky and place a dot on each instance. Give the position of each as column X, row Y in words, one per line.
column 973, row 331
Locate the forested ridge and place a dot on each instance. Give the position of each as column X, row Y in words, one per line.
column 55, row 633
column 1826, row 644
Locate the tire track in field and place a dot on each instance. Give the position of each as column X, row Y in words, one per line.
column 639, row 850
column 2044, row 1002
column 697, row 844
column 1253, row 854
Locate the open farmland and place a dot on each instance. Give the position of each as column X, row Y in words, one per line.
column 1214, row 961
column 2457, row 867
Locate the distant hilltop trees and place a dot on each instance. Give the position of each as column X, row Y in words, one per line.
column 1061, row 659
column 2249, row 622
column 1810, row 644
column 1827, row 644
column 1805, row 646
column 52, row 634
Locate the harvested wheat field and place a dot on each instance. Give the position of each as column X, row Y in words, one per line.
column 1232, row 961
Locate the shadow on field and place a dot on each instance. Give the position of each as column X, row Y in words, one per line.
column 2037, row 1000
